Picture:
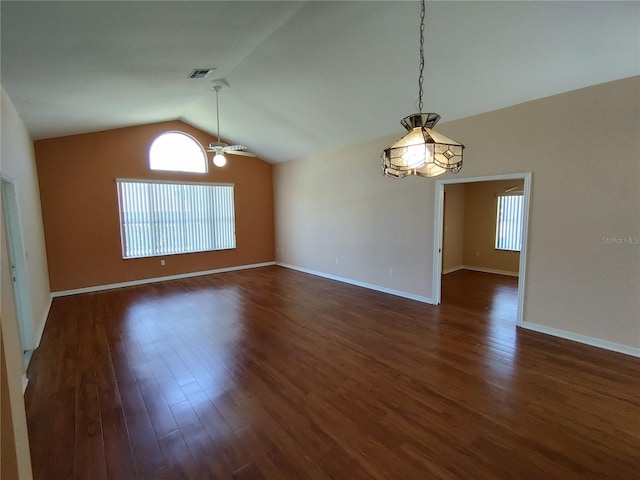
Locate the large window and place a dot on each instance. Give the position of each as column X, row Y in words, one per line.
column 509, row 222
column 162, row 218
column 177, row 152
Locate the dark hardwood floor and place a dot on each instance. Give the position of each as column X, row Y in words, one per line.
column 275, row 374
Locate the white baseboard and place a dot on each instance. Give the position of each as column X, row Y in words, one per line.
column 144, row 281
column 486, row 270
column 370, row 286
column 576, row 337
column 453, row 269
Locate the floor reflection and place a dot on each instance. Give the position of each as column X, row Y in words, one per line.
column 493, row 299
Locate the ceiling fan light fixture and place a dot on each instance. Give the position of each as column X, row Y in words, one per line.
column 219, row 160
column 422, row 151
column 220, row 148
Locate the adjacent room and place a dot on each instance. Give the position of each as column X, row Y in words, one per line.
column 239, row 243
column 482, row 225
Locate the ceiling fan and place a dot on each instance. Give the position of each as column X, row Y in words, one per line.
column 220, row 148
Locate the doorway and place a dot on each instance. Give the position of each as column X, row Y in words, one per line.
column 18, row 262
column 524, row 178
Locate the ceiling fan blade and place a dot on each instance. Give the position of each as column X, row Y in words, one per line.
column 230, row 148
column 240, row 152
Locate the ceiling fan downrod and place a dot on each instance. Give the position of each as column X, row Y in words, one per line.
column 217, row 88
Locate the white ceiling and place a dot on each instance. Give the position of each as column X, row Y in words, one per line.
column 304, row 77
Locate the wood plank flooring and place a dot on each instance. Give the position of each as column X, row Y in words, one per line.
column 275, row 374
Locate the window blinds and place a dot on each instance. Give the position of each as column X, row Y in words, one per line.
column 509, row 222
column 162, row 218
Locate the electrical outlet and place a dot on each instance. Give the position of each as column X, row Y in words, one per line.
column 390, row 270
column 337, row 261
column 162, row 262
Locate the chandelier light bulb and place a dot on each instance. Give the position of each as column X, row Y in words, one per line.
column 416, row 156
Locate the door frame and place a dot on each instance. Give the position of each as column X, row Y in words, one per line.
column 438, row 233
column 18, row 260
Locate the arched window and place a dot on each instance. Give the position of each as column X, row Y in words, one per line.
column 177, row 152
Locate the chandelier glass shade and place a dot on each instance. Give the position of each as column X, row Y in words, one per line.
column 422, row 151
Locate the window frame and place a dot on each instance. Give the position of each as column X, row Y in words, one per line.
column 121, row 220
column 517, row 233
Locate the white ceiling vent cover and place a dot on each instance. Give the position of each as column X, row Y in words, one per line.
column 201, row 72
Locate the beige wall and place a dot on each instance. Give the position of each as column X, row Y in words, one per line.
column 481, row 203
column 339, row 206
column 453, row 233
column 18, row 162
column 582, row 148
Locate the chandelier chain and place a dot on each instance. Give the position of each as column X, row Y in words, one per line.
column 421, row 76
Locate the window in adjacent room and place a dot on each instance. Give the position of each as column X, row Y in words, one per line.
column 177, row 152
column 509, row 222
column 164, row 218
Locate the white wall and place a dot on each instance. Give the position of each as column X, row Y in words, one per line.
column 15, row 440
column 582, row 148
column 17, row 160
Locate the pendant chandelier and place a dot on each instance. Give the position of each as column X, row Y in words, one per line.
column 422, row 151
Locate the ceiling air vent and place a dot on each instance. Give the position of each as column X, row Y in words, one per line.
column 201, row 72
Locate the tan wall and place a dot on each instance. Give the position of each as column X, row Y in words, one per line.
column 338, row 203
column 453, row 233
column 80, row 207
column 481, row 203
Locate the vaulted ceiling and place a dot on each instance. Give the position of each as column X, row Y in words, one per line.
column 304, row 77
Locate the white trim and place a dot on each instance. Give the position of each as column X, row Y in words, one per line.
column 25, row 382
column 144, row 281
column 486, row 270
column 16, row 249
column 438, row 233
column 438, row 236
column 172, row 182
column 357, row 283
column 43, row 321
column 453, row 269
column 576, row 337
column 524, row 247
column 26, row 359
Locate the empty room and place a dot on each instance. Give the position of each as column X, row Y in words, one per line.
column 320, row 240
